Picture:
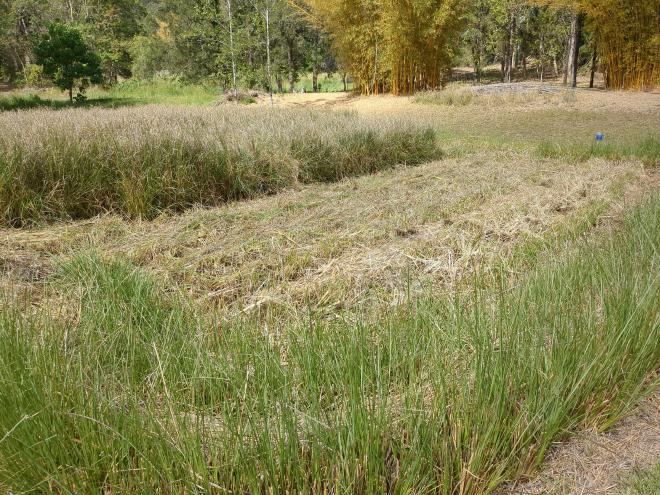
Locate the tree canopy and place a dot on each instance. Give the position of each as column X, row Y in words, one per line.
column 65, row 57
column 397, row 46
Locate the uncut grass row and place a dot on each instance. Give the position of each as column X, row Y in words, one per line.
column 458, row 95
column 139, row 393
column 646, row 149
column 140, row 161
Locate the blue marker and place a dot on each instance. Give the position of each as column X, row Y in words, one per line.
column 600, row 137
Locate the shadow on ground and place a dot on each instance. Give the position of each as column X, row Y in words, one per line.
column 35, row 101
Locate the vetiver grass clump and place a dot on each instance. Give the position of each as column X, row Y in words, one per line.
column 646, row 149
column 79, row 163
column 136, row 392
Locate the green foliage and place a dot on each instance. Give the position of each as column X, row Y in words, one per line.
column 34, row 75
column 67, row 59
column 167, row 90
column 646, row 149
column 138, row 390
column 151, row 56
column 111, row 33
column 400, row 47
column 642, row 482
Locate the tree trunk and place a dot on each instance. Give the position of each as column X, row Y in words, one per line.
column 576, row 49
column 542, row 56
column 567, row 53
column 270, row 78
column 292, row 73
column 594, row 58
column 570, row 72
column 71, row 94
column 231, row 48
column 343, row 80
column 514, row 58
column 510, row 48
column 375, row 89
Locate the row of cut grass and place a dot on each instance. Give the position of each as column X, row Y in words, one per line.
column 140, row 161
column 137, row 392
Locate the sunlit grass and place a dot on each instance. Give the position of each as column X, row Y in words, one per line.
column 132, row 389
column 161, row 91
column 646, row 149
column 140, row 162
column 128, row 93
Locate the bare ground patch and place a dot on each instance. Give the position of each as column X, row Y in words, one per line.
column 598, row 463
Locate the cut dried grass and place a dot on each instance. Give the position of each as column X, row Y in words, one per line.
column 601, row 462
column 367, row 241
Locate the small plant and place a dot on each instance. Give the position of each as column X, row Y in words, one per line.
column 647, row 150
column 34, row 76
column 451, row 95
column 80, row 98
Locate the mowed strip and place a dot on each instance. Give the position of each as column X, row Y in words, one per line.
column 363, row 240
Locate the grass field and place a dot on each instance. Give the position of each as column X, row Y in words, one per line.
column 137, row 92
column 354, row 324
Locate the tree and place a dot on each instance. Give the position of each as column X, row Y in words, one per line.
column 479, row 28
column 66, row 58
column 626, row 37
column 395, row 46
column 21, row 21
column 110, row 30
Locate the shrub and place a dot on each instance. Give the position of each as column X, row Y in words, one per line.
column 647, row 150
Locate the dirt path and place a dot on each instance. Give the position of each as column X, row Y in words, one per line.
column 594, row 463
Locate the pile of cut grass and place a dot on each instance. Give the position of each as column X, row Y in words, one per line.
column 138, row 392
column 140, row 161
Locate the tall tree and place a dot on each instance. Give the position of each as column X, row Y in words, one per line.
column 626, row 36
column 390, row 45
